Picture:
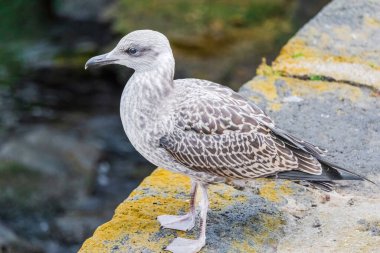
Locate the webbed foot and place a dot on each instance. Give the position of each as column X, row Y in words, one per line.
column 182, row 245
column 178, row 222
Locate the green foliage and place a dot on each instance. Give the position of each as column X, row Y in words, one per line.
column 210, row 29
column 194, row 17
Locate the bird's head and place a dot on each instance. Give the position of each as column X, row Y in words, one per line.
column 140, row 50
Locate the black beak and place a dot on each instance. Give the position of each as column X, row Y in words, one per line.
column 98, row 61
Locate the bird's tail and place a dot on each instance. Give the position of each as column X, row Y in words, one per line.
column 330, row 172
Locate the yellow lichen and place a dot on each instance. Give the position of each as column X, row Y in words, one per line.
column 265, row 88
column 299, row 88
column 269, row 223
column 316, row 61
column 297, row 46
column 285, row 188
column 275, row 106
column 160, row 177
column 274, row 191
column 307, row 88
column 135, row 218
column 269, row 191
column 265, row 70
column 371, row 21
column 134, row 227
column 243, row 247
column 222, row 196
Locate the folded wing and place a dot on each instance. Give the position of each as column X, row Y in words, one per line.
column 221, row 133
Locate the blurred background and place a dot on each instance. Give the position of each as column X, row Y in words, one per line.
column 65, row 162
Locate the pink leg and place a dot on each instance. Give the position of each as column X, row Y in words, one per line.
column 181, row 222
column 182, row 245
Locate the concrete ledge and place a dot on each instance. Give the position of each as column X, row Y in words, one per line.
column 341, row 42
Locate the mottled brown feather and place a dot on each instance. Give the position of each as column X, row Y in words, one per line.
column 223, row 134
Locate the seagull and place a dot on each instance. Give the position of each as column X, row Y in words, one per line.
column 205, row 131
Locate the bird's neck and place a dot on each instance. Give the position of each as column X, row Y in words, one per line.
column 147, row 90
column 157, row 83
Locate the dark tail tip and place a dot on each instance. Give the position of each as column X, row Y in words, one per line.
column 338, row 173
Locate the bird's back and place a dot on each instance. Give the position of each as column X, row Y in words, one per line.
column 219, row 132
column 222, row 132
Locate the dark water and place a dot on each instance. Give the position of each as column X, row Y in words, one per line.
column 65, row 162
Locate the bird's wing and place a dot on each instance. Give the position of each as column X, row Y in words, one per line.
column 264, row 119
column 219, row 132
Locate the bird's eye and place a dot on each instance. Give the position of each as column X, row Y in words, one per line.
column 131, row 51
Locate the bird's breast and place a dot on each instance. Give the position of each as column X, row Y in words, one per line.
column 142, row 124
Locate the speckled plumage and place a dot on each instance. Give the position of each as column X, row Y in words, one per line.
column 203, row 130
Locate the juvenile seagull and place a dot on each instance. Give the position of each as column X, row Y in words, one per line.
column 204, row 130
